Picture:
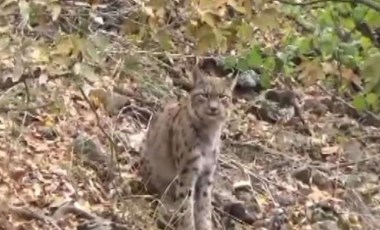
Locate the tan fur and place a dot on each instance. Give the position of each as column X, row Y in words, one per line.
column 182, row 148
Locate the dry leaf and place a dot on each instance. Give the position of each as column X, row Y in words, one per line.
column 329, row 150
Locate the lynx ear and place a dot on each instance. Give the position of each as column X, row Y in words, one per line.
column 198, row 76
column 231, row 79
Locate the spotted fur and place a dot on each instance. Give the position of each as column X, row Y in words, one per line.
column 182, row 148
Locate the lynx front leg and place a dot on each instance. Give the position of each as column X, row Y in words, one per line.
column 203, row 206
column 185, row 193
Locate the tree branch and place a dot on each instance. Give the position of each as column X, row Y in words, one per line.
column 371, row 4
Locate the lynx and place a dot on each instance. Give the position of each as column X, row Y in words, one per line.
column 182, row 148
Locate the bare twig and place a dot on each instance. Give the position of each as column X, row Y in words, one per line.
column 68, row 208
column 372, row 115
column 30, row 213
column 309, row 3
column 27, row 92
column 92, row 107
column 371, row 4
column 9, row 83
column 354, row 199
column 252, row 144
column 306, row 28
column 346, row 164
column 109, row 138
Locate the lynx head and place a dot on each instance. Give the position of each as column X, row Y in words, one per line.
column 211, row 97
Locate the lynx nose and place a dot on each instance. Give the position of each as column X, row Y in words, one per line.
column 213, row 107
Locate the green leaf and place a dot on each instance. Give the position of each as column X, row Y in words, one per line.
column 164, row 39
column 254, row 58
column 372, row 100
column 348, row 23
column 360, row 102
column 84, row 70
column 279, row 65
column 242, row 64
column 359, row 13
column 267, row 19
column 221, row 40
column 265, row 80
column 347, row 60
column 131, row 63
column 327, row 43
column 342, row 8
column 270, row 63
column 90, row 52
column 325, row 18
column 371, row 72
column 230, row 61
column 373, row 18
column 206, row 38
column 101, row 41
column 366, row 43
column 288, row 70
column 244, row 32
column 350, row 49
column 303, row 44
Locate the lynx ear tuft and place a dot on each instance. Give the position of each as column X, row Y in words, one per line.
column 198, row 76
column 231, row 79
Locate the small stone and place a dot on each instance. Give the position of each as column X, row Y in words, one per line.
column 48, row 133
column 249, row 79
column 242, row 186
column 325, row 225
column 286, row 199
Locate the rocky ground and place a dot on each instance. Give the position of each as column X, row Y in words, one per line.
column 320, row 174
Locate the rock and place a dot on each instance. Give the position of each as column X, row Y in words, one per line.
column 49, row 133
column 369, row 178
column 285, row 199
column 303, row 174
column 325, row 225
column 217, row 65
column 315, row 106
column 248, row 79
column 347, row 125
column 233, row 207
column 89, row 149
column 272, row 106
column 313, row 176
column 279, row 221
column 351, row 180
column 91, row 153
column 100, row 225
column 284, row 139
column 113, row 102
column 356, row 203
column 352, row 150
column 238, row 211
column 284, row 98
column 242, row 186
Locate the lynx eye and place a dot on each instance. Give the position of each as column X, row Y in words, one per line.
column 222, row 97
column 203, row 95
